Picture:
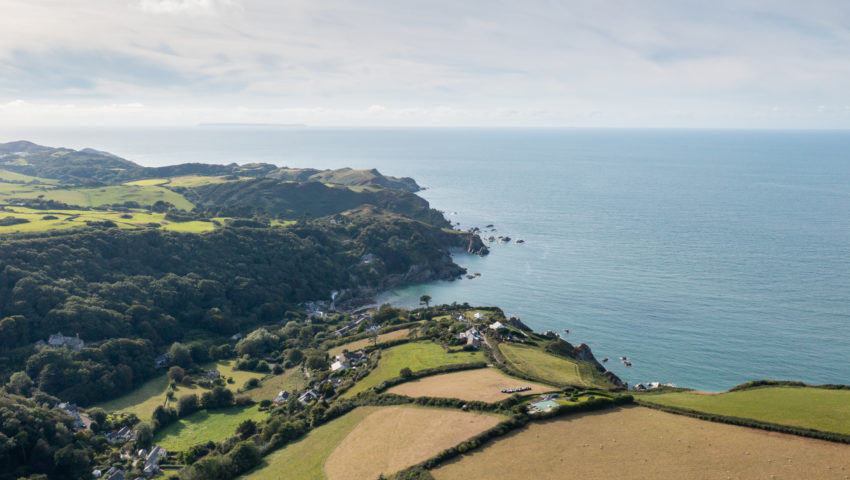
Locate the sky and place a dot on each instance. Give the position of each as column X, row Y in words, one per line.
column 529, row 63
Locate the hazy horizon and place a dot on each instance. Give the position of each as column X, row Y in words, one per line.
column 576, row 64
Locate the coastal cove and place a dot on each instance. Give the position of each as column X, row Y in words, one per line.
column 709, row 258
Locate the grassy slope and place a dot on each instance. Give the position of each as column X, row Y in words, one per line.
column 7, row 175
column 550, row 368
column 203, row 426
column 292, row 380
column 305, row 459
column 357, row 345
column 639, row 443
column 821, row 409
column 416, row 356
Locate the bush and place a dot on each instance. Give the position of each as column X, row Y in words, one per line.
column 406, row 372
column 176, row 373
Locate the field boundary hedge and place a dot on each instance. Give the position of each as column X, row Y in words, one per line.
column 749, row 422
column 785, row 383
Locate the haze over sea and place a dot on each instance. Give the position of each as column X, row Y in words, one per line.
column 708, row 258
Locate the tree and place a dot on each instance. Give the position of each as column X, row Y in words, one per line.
column 187, row 404
column 144, row 435
column 176, row 373
column 245, row 455
column 406, row 372
column 20, row 384
column 180, row 355
column 98, row 415
column 425, row 300
column 246, row 429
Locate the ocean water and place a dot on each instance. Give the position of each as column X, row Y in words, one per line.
column 708, row 258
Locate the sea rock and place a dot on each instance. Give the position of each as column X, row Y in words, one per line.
column 614, row 379
column 583, row 352
column 476, row 246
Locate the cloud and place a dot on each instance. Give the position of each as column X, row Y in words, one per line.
column 190, row 7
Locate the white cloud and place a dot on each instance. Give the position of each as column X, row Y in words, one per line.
column 190, row 7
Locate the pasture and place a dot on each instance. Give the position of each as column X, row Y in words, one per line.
column 393, row 438
column 416, row 356
column 292, row 380
column 484, row 384
column 551, row 368
column 205, row 425
column 640, row 443
column 817, row 408
column 363, row 343
column 305, row 459
column 144, row 400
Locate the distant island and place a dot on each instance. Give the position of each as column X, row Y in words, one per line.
column 205, row 321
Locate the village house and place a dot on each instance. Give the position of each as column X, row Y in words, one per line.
column 161, row 361
column 346, row 360
column 471, row 337
column 212, row 375
column 309, row 396
column 58, row 340
column 152, row 460
column 496, row 325
column 114, row 473
column 281, row 397
column 125, row 434
column 74, row 412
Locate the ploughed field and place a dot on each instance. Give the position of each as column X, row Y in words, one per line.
column 641, row 443
column 484, row 384
column 373, row 440
column 416, row 356
column 818, row 408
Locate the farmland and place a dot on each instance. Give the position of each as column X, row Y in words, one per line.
column 416, row 356
column 817, row 408
column 292, row 380
column 638, row 443
column 357, row 345
column 204, row 426
column 305, row 459
column 483, row 384
column 393, row 438
column 550, row 368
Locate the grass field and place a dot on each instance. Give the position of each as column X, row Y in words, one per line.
column 357, row 345
column 639, row 443
column 144, row 400
column 484, row 384
column 551, row 368
column 292, row 380
column 305, row 459
column 78, row 218
column 203, row 426
column 9, row 175
column 821, row 409
column 393, row 438
column 416, row 356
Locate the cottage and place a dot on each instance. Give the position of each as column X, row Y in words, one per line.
column 496, row 325
column 74, row 412
column 152, row 460
column 236, row 336
column 161, row 361
column 281, row 397
column 114, row 473
column 340, row 365
column 212, row 375
column 58, row 340
column 125, row 434
column 309, row 396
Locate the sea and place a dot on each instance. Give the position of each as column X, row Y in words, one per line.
column 708, row 258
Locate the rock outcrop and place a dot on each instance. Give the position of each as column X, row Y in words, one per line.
column 476, row 246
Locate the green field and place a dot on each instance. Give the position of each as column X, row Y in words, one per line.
column 8, row 175
column 817, row 408
column 144, row 400
column 305, row 459
column 416, row 356
column 203, row 426
column 78, row 218
column 550, row 368
column 292, row 380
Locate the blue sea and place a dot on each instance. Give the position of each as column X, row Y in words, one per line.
column 707, row 257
